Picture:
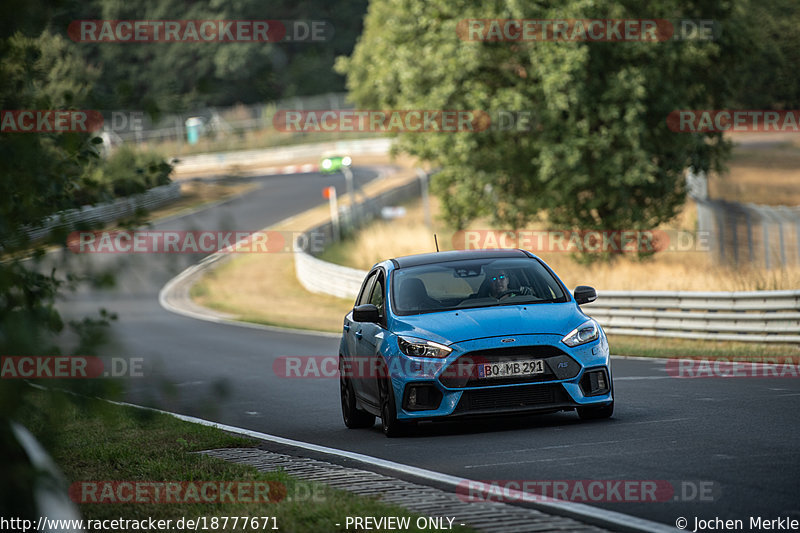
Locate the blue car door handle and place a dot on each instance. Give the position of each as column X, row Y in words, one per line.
column 359, row 335
column 347, row 327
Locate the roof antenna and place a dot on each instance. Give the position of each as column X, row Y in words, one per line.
column 436, row 241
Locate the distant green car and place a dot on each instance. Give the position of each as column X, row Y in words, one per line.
column 334, row 163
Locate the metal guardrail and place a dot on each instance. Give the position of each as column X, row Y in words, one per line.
column 105, row 213
column 218, row 121
column 753, row 316
column 757, row 316
column 227, row 161
column 759, row 235
column 322, row 277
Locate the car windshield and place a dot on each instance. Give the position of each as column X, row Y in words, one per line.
column 473, row 283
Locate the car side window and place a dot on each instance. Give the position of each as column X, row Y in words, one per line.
column 366, row 289
column 377, row 298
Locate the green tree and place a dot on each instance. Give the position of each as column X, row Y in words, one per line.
column 170, row 77
column 40, row 172
column 598, row 153
column 767, row 77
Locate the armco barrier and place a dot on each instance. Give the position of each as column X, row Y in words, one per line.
column 759, row 316
column 228, row 161
column 105, row 213
column 327, row 278
column 322, row 277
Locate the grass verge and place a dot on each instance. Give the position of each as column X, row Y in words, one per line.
column 92, row 440
column 764, row 169
column 263, row 289
column 665, row 271
column 672, row 348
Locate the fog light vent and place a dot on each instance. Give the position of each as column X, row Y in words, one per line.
column 421, row 397
column 595, row 383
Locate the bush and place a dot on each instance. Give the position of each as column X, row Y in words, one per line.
column 124, row 173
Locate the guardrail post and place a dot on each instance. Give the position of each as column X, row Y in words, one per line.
column 718, row 217
column 733, row 217
column 765, row 229
column 797, row 236
column 751, row 252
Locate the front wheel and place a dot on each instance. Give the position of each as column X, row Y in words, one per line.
column 595, row 413
column 354, row 418
column 391, row 426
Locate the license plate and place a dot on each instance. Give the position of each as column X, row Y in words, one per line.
column 510, row 369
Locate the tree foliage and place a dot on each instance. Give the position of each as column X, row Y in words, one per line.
column 40, row 175
column 598, row 153
column 170, row 77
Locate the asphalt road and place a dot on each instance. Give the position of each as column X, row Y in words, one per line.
column 739, row 436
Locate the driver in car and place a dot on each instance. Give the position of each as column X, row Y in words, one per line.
column 499, row 287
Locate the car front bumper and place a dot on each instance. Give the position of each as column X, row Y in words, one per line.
column 572, row 379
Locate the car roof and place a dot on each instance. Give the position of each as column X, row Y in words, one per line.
column 455, row 255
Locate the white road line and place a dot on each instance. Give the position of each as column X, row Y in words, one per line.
column 657, row 421
column 636, row 378
column 189, row 383
column 532, row 461
column 555, row 447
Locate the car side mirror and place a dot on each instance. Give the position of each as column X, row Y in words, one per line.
column 366, row 313
column 584, row 294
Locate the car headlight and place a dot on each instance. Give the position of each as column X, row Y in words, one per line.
column 346, row 160
column 421, row 348
column 586, row 332
column 326, row 164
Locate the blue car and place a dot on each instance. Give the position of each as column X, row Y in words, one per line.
column 470, row 333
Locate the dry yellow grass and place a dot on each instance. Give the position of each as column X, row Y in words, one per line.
column 675, row 271
column 262, row 288
column 764, row 169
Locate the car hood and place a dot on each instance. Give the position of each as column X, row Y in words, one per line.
column 467, row 324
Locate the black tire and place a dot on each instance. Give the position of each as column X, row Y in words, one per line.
column 596, row 413
column 354, row 418
column 391, row 426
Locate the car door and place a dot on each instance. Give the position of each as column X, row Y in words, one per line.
column 353, row 333
column 371, row 341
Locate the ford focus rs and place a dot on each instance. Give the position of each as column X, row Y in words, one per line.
column 470, row 333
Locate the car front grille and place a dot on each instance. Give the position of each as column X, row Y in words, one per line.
column 512, row 398
column 463, row 372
